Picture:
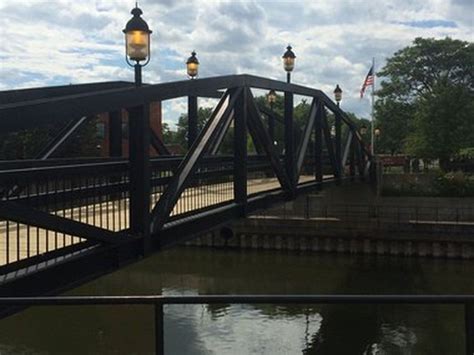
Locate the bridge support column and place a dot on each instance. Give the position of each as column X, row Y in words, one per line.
column 115, row 133
column 360, row 161
column 352, row 171
column 318, row 145
column 139, row 154
column 338, row 150
column 290, row 160
column 240, row 151
column 192, row 120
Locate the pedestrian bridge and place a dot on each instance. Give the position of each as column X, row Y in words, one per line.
column 65, row 221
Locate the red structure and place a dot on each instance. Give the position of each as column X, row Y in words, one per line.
column 103, row 130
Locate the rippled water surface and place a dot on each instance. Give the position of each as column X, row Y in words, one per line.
column 258, row 329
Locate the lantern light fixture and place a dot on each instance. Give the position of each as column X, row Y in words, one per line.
column 192, row 65
column 271, row 97
column 288, row 62
column 338, row 94
column 137, row 42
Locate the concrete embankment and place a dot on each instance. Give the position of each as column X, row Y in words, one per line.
column 322, row 223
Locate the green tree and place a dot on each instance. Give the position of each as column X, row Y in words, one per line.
column 443, row 123
column 425, row 100
column 395, row 121
column 181, row 135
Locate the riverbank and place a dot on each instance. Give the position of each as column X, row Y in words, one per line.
column 355, row 221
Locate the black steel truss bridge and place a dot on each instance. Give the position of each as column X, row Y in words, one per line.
column 66, row 221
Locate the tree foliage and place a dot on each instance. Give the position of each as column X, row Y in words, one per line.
column 301, row 113
column 424, row 106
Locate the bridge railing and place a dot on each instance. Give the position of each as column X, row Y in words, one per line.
column 158, row 302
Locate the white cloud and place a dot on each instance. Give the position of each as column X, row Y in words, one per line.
column 66, row 41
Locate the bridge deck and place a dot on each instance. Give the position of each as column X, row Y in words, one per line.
column 22, row 241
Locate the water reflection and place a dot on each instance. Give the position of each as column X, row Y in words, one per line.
column 255, row 329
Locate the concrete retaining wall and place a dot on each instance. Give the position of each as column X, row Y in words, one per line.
column 324, row 236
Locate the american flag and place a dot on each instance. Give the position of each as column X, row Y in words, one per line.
column 369, row 80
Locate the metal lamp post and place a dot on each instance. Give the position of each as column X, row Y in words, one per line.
column 338, row 94
column 338, row 132
column 271, row 99
column 192, row 69
column 192, row 65
column 137, row 43
column 288, row 62
column 377, row 133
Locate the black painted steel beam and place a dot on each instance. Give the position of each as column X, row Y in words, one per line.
column 352, row 160
column 308, row 130
column 262, row 136
column 63, row 135
column 240, row 151
column 158, row 144
column 254, row 135
column 318, row 144
column 139, row 156
column 26, row 215
column 347, row 148
column 18, row 115
column 215, row 145
column 177, row 185
column 22, row 95
column 192, row 120
column 329, row 144
column 338, row 142
column 289, row 135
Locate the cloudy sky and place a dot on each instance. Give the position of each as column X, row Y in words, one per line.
column 57, row 42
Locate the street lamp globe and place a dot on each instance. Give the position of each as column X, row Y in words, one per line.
column 289, row 59
column 192, row 65
column 363, row 129
column 377, row 132
column 338, row 94
column 271, row 97
column 137, row 38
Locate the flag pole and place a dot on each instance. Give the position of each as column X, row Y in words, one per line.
column 372, row 140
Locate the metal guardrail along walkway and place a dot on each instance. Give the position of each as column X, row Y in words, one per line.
column 158, row 302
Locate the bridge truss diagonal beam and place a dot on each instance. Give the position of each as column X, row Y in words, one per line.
column 347, row 148
column 217, row 122
column 260, row 134
column 329, row 143
column 56, row 142
column 218, row 141
column 33, row 217
column 158, row 144
column 308, row 129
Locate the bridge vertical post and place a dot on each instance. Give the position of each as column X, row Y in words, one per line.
column 139, row 154
column 290, row 160
column 338, row 151
column 360, row 160
column 318, row 145
column 469, row 326
column 115, row 133
column 240, row 151
column 352, row 159
column 192, row 120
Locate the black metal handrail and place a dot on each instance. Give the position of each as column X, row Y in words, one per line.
column 158, row 301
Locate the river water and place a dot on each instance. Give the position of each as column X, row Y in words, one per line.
column 258, row 329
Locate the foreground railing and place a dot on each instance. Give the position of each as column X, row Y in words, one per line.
column 158, row 302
